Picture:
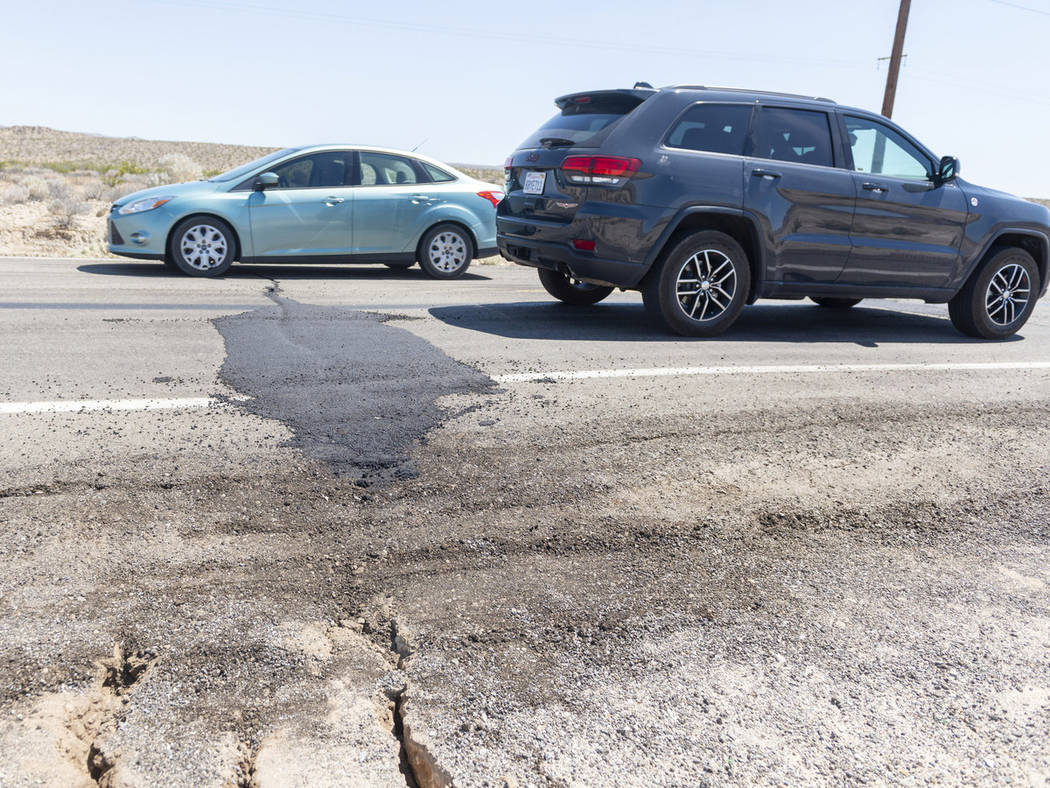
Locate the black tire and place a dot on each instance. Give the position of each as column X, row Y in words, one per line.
column 202, row 246
column 572, row 291
column 399, row 266
column 980, row 308
column 835, row 303
column 445, row 251
column 693, row 257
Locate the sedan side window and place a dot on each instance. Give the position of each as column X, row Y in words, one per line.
column 880, row 150
column 384, row 169
column 716, row 128
column 318, row 171
column 796, row 135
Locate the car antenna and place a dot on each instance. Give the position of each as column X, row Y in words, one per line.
column 420, row 145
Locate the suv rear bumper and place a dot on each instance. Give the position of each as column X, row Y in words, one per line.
column 517, row 243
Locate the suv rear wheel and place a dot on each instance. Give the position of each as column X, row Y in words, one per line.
column 572, row 291
column 700, row 286
column 998, row 299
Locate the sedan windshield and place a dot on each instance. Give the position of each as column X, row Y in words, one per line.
column 244, row 169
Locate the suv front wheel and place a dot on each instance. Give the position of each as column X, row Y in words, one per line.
column 998, row 299
column 700, row 286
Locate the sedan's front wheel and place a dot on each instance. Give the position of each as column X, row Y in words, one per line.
column 446, row 251
column 202, row 246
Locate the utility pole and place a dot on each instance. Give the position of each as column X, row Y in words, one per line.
column 895, row 59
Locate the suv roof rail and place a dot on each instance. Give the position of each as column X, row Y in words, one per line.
column 755, row 92
column 646, row 85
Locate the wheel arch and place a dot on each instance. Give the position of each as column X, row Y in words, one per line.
column 735, row 223
column 1033, row 243
column 238, row 246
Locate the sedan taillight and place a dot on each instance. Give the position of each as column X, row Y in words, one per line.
column 493, row 197
column 599, row 170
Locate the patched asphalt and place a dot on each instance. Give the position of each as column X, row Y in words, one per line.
column 357, row 392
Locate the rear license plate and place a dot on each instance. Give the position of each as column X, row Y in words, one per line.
column 534, row 182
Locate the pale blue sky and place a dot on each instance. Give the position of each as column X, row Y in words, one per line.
column 474, row 78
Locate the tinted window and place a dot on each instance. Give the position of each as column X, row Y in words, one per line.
column 880, row 150
column 437, row 175
column 320, row 170
column 718, row 128
column 798, row 135
column 383, row 169
column 582, row 120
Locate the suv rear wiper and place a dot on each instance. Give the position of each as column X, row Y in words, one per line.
column 556, row 142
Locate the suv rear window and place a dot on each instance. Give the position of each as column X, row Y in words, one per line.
column 581, row 123
column 716, row 128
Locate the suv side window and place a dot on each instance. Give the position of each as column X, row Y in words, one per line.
column 880, row 150
column 716, row 128
column 317, row 171
column 384, row 169
column 802, row 136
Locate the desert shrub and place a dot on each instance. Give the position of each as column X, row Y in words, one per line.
column 14, row 194
column 114, row 193
column 92, row 190
column 37, row 187
column 57, row 189
column 66, row 209
column 113, row 175
column 180, row 167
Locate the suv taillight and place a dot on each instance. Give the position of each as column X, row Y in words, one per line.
column 599, row 170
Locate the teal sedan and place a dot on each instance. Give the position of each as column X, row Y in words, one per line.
column 317, row 204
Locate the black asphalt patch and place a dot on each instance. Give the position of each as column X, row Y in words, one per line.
column 356, row 392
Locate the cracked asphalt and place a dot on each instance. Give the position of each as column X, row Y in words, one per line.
column 368, row 562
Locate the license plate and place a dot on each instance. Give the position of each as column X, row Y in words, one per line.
column 534, row 182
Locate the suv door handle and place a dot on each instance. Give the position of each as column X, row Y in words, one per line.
column 333, row 200
column 760, row 173
column 878, row 188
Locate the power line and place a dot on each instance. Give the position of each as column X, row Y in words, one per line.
column 1021, row 7
column 476, row 33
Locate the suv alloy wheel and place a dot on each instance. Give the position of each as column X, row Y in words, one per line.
column 700, row 287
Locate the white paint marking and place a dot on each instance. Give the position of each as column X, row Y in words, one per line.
column 94, row 405
column 778, row 369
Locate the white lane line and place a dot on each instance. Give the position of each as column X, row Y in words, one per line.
column 777, row 369
column 91, row 405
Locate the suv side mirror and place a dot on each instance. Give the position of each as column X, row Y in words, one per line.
column 266, row 181
column 948, row 169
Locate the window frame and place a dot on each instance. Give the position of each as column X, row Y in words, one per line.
column 248, row 184
column 749, row 142
column 838, row 156
column 931, row 159
column 422, row 176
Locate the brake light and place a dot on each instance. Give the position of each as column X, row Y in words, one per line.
column 508, row 163
column 599, row 170
column 583, row 244
column 493, row 197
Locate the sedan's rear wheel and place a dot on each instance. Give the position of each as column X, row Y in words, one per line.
column 700, row 286
column 446, row 251
column 999, row 298
column 572, row 291
column 835, row 303
column 202, row 246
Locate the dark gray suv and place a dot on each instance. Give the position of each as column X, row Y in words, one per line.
column 706, row 199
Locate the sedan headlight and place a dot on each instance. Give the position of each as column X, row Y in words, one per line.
column 145, row 204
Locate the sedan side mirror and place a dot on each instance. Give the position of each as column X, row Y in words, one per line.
column 948, row 169
column 266, row 181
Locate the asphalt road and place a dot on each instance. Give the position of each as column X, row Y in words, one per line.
column 351, row 526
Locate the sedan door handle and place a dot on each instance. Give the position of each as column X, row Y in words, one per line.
column 760, row 173
column 878, row 188
column 418, row 198
column 333, row 200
